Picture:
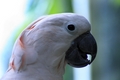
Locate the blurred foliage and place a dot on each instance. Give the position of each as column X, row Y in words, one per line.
column 59, row 6
column 116, row 3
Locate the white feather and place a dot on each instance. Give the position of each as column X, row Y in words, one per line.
column 39, row 52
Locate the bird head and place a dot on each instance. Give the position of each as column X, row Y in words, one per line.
column 71, row 32
column 55, row 40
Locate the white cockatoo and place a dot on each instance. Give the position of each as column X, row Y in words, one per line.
column 48, row 44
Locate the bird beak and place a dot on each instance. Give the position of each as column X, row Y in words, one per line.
column 81, row 47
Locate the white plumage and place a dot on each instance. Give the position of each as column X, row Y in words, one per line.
column 39, row 52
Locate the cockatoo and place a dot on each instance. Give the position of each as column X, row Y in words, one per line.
column 43, row 49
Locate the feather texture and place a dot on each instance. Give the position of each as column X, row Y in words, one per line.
column 39, row 52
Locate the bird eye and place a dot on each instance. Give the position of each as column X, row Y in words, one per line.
column 71, row 27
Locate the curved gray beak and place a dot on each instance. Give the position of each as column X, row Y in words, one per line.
column 81, row 47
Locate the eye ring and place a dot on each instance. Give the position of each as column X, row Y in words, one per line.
column 71, row 27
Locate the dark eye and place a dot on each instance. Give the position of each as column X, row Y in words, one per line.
column 71, row 27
